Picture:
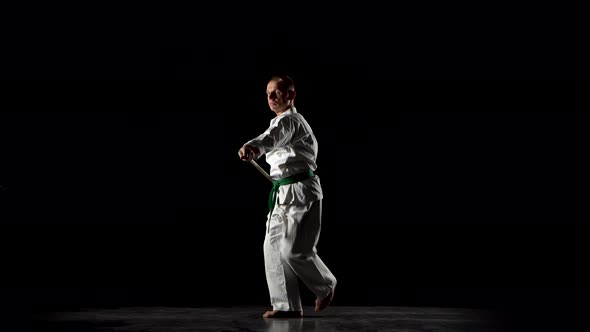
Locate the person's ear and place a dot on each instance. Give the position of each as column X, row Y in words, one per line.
column 290, row 94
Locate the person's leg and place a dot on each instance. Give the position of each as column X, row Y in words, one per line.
column 282, row 281
column 298, row 250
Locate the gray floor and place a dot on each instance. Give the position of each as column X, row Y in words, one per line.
column 169, row 319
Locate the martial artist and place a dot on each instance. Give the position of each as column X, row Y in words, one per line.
column 295, row 205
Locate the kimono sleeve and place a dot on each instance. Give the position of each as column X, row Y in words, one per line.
column 277, row 135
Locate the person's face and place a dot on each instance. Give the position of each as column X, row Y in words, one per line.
column 279, row 99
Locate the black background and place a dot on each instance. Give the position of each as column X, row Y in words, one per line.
column 121, row 183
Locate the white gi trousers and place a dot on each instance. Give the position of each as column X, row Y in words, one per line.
column 290, row 243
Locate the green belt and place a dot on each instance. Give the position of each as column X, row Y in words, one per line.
column 288, row 180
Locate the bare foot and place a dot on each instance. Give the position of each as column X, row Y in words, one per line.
column 282, row 314
column 324, row 303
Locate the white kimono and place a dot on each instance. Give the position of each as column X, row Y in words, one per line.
column 293, row 227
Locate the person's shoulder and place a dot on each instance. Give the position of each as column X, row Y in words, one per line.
column 296, row 116
column 294, row 119
column 290, row 117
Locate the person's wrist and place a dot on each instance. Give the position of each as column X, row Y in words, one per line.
column 252, row 148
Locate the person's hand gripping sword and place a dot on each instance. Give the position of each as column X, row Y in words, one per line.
column 247, row 153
